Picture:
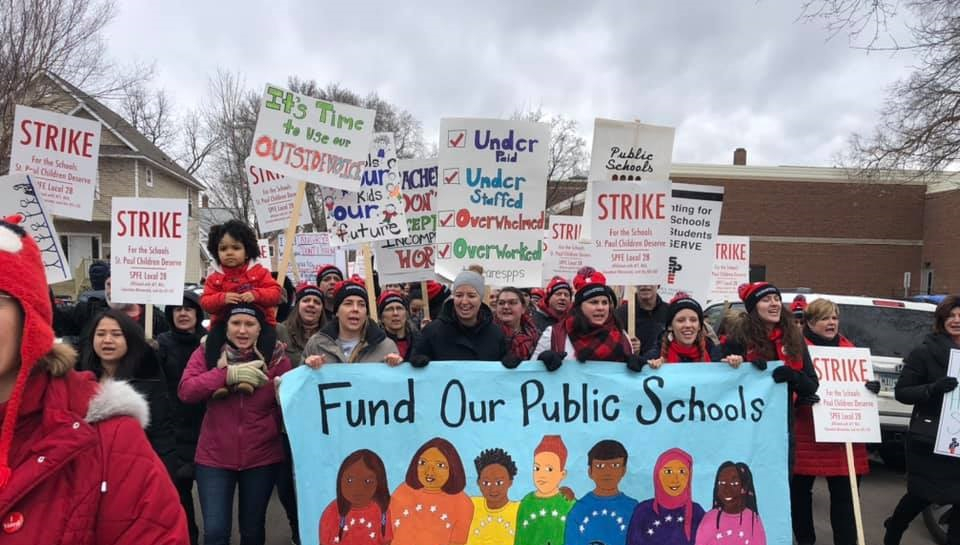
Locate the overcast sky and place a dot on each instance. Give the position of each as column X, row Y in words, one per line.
column 726, row 73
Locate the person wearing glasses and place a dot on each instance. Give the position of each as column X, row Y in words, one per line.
column 395, row 320
column 517, row 325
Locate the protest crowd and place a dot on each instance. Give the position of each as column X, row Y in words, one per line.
column 114, row 413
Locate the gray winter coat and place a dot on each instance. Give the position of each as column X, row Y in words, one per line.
column 373, row 347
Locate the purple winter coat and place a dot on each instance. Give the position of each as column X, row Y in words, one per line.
column 239, row 431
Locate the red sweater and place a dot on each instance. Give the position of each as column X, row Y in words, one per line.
column 250, row 277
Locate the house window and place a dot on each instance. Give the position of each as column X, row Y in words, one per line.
column 78, row 248
column 149, row 177
column 758, row 273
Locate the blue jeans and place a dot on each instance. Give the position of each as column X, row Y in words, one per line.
column 216, row 487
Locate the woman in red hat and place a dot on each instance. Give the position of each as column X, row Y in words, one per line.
column 75, row 464
column 767, row 333
column 591, row 332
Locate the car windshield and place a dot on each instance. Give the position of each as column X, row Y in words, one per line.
column 890, row 332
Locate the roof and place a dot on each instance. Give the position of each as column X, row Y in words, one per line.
column 138, row 146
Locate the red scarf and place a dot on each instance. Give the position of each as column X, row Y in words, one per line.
column 603, row 343
column 678, row 353
column 795, row 362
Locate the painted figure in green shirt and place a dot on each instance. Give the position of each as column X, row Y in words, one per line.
column 543, row 512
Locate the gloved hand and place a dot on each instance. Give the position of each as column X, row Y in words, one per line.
column 635, row 363
column 873, row 386
column 785, row 374
column 552, row 360
column 419, row 360
column 184, row 472
column 510, row 361
column 248, row 373
column 809, row 399
column 943, row 385
column 761, row 365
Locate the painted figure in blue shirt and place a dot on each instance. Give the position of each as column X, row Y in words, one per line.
column 602, row 516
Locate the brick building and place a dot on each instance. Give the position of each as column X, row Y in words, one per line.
column 814, row 227
column 129, row 166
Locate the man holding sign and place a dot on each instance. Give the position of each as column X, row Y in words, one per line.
column 931, row 477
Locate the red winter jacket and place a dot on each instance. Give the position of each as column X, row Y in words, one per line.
column 251, row 277
column 83, row 470
column 823, row 459
column 239, row 431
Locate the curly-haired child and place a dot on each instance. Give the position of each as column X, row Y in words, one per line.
column 236, row 279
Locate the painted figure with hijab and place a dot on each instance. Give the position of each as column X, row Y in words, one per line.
column 671, row 517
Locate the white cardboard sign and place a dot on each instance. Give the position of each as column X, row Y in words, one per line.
column 309, row 139
column 565, row 254
column 948, row 432
column 148, row 248
column 731, row 267
column 18, row 196
column 847, row 411
column 273, row 195
column 694, row 222
column 374, row 212
column 60, row 153
column 630, row 231
column 492, row 191
column 411, row 258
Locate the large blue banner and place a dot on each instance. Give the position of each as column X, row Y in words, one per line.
column 593, row 454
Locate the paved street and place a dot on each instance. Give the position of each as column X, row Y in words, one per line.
column 880, row 492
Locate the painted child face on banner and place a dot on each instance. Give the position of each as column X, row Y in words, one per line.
column 674, row 477
column 359, row 484
column 730, row 490
column 433, row 469
column 547, row 473
column 495, row 482
column 607, row 474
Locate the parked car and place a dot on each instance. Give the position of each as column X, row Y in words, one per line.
column 890, row 329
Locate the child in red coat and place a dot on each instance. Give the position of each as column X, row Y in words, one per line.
column 237, row 279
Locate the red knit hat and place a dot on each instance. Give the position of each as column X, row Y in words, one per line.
column 593, row 285
column 389, row 297
column 798, row 305
column 26, row 282
column 554, row 444
column 556, row 284
column 537, row 292
column 308, row 289
column 581, row 277
column 435, row 289
column 751, row 294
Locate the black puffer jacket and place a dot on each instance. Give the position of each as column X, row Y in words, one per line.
column 174, row 351
column 933, row 477
column 445, row 338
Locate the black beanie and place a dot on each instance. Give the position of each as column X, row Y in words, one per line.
column 680, row 302
column 347, row 288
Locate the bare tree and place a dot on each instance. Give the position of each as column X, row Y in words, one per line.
column 152, row 114
column 568, row 150
column 919, row 125
column 59, row 36
column 230, row 115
